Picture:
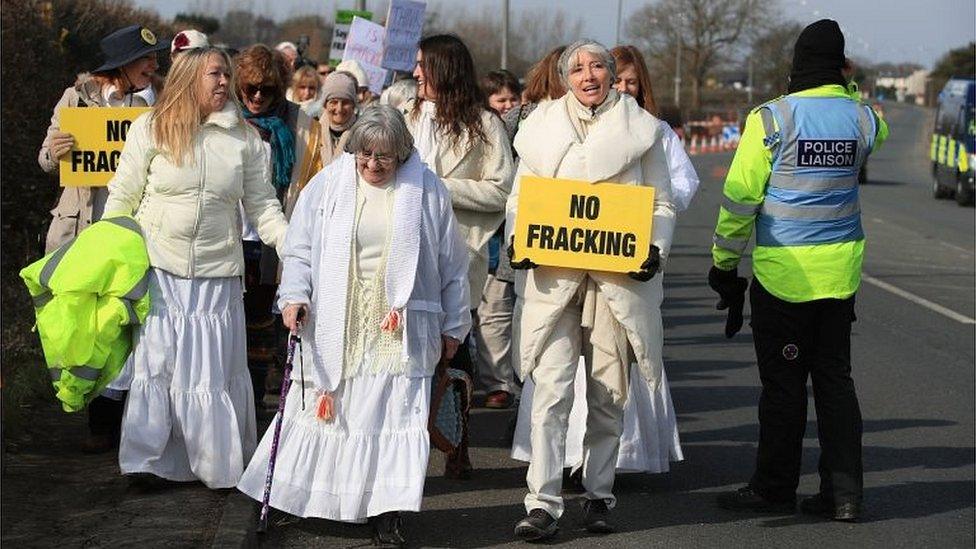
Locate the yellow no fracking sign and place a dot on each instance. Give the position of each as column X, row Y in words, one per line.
column 99, row 136
column 582, row 225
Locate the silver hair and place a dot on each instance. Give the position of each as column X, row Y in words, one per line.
column 591, row 46
column 381, row 126
column 399, row 93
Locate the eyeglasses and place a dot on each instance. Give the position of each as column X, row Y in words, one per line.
column 384, row 160
column 251, row 89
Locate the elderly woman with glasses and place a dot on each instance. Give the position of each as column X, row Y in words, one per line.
column 592, row 133
column 375, row 282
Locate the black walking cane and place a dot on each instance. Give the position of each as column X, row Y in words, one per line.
column 293, row 341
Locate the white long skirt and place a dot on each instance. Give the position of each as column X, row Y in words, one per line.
column 649, row 441
column 372, row 458
column 190, row 410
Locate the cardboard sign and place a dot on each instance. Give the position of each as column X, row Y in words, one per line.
column 582, row 225
column 99, row 136
column 365, row 44
column 404, row 25
column 340, row 31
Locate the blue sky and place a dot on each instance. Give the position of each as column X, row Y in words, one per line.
column 885, row 30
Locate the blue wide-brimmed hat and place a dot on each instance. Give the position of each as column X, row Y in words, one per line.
column 128, row 44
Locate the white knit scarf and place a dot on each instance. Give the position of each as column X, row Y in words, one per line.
column 425, row 139
column 330, row 312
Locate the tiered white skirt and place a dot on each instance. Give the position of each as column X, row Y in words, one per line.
column 649, row 441
column 190, row 409
column 372, row 458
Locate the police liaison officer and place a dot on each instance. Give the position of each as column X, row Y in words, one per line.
column 794, row 178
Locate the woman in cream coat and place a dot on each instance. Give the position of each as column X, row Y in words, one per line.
column 184, row 168
column 467, row 147
column 592, row 134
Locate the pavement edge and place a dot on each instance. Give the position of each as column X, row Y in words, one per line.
column 238, row 523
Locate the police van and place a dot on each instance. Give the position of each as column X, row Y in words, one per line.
column 952, row 148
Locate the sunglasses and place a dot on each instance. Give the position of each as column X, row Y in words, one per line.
column 250, row 89
column 323, row 73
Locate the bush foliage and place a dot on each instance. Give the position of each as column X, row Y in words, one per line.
column 45, row 45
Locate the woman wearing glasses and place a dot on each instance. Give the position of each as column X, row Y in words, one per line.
column 375, row 281
column 290, row 137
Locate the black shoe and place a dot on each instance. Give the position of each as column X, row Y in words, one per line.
column 747, row 499
column 595, row 517
column 386, row 530
column 824, row 506
column 539, row 525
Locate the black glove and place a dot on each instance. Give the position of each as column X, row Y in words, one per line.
column 649, row 267
column 731, row 290
column 526, row 263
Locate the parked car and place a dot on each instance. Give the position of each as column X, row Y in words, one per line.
column 952, row 148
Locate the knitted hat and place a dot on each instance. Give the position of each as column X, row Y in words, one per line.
column 819, row 46
column 818, row 57
column 189, row 39
column 339, row 85
column 354, row 68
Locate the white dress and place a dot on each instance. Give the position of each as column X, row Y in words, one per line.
column 190, row 410
column 372, row 458
column 649, row 441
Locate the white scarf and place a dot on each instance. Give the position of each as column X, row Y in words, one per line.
column 401, row 267
column 425, row 138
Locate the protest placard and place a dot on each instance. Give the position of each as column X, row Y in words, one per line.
column 340, row 32
column 404, row 25
column 582, row 225
column 365, row 44
column 99, row 136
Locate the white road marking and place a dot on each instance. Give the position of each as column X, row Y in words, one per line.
column 918, row 300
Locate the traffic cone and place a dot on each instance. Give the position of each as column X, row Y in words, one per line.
column 693, row 149
column 715, row 147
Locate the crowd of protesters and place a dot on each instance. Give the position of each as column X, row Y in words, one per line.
column 282, row 197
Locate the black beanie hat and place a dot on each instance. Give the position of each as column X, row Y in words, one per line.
column 818, row 56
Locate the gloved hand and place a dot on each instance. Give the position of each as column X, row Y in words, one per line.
column 59, row 145
column 526, row 263
column 649, row 267
column 731, row 290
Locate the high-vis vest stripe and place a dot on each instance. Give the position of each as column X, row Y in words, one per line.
column 812, row 194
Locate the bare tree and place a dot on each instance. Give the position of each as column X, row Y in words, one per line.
column 707, row 32
column 772, row 52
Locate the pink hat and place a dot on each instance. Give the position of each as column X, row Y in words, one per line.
column 188, row 40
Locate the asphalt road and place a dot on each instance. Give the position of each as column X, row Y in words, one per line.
column 914, row 368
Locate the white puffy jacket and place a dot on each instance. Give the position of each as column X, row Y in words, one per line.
column 189, row 213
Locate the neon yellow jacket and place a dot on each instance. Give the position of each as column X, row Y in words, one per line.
column 87, row 295
column 791, row 273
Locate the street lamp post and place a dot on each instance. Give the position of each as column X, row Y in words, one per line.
column 504, row 34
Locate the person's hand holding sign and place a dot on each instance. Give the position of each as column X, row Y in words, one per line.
column 526, row 263
column 649, row 267
column 60, row 144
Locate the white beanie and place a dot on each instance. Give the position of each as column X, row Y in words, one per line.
column 354, row 68
column 187, row 40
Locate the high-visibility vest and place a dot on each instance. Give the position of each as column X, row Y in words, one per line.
column 88, row 294
column 812, row 195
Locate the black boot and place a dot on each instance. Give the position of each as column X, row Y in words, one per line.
column 386, row 530
column 596, row 517
column 747, row 499
column 539, row 525
column 826, row 507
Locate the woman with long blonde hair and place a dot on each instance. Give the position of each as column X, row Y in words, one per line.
column 184, row 168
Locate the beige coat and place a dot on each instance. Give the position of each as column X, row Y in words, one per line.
column 189, row 213
column 624, row 145
column 479, row 177
column 73, row 212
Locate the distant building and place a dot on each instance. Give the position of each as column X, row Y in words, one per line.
column 907, row 87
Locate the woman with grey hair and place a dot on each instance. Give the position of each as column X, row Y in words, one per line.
column 375, row 282
column 591, row 134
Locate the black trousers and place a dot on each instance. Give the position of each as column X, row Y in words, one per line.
column 105, row 416
column 795, row 341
